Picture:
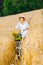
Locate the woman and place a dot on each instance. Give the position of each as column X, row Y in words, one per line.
column 23, row 26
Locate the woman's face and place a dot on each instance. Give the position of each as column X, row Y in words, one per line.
column 21, row 20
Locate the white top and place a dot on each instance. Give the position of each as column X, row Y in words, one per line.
column 22, row 28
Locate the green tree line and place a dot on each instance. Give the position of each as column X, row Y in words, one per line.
column 17, row 6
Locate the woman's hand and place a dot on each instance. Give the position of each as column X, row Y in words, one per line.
column 26, row 29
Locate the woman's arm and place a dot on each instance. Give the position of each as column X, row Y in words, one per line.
column 17, row 28
column 26, row 29
column 27, row 26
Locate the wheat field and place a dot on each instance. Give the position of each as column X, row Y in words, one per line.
column 32, row 46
